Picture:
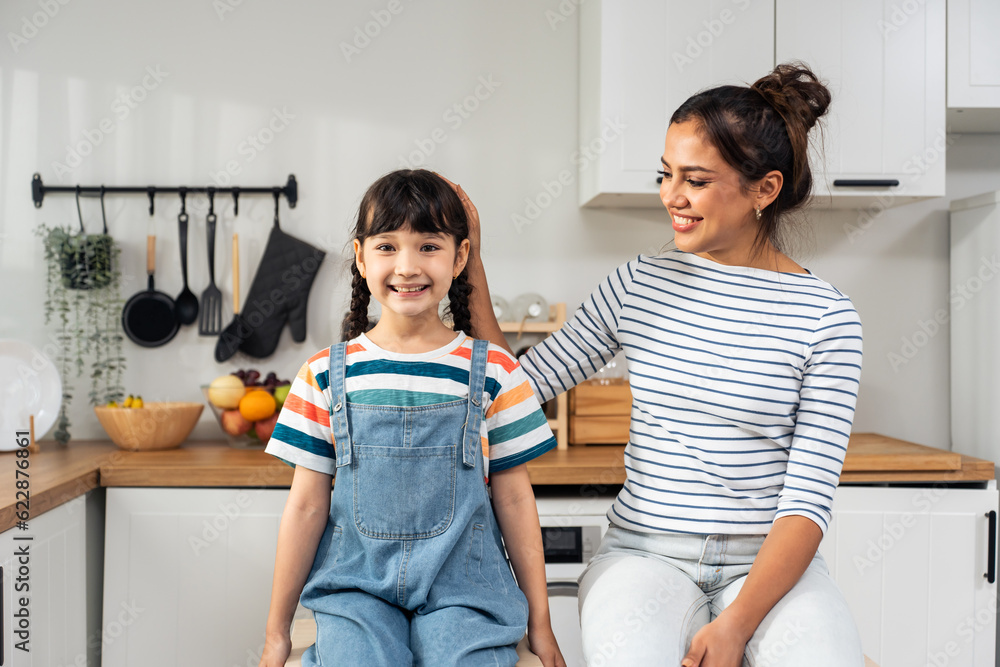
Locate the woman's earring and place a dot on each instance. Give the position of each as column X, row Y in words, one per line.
column 757, row 212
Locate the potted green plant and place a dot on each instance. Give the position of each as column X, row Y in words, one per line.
column 83, row 303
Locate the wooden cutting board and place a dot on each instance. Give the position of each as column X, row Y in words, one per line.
column 870, row 452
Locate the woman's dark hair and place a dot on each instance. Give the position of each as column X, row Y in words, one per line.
column 764, row 128
column 422, row 201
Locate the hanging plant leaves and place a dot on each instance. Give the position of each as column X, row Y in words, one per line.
column 85, row 260
column 83, row 304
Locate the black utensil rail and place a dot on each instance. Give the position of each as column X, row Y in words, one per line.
column 290, row 190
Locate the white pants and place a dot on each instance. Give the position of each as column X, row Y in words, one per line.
column 644, row 596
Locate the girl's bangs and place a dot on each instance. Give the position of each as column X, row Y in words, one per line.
column 400, row 213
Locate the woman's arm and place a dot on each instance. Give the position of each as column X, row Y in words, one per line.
column 517, row 515
column 302, row 524
column 784, row 556
column 575, row 352
column 823, row 423
column 484, row 321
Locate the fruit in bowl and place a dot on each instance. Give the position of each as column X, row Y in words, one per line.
column 246, row 407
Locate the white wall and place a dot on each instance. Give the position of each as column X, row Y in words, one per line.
column 352, row 121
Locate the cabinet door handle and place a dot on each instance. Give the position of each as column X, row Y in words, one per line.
column 991, row 558
column 563, row 588
column 865, row 183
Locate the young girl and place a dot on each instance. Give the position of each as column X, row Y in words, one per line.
column 405, row 565
column 744, row 369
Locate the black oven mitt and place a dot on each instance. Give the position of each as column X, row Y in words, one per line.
column 278, row 294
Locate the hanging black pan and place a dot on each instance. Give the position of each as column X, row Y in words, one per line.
column 148, row 317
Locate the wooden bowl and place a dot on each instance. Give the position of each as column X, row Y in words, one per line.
column 153, row 427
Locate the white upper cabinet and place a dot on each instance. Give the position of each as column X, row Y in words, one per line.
column 639, row 60
column 973, row 66
column 884, row 62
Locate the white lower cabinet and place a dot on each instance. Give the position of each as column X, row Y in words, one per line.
column 911, row 562
column 195, row 566
column 55, row 567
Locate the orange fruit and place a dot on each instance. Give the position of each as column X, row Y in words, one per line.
column 257, row 405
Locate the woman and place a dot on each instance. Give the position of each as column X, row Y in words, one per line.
column 744, row 372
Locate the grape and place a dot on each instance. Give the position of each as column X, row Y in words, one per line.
column 271, row 376
column 251, row 378
column 241, row 374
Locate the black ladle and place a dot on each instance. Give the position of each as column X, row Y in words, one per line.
column 186, row 304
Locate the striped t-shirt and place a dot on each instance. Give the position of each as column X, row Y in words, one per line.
column 744, row 384
column 514, row 430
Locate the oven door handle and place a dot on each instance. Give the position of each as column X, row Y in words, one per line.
column 567, row 589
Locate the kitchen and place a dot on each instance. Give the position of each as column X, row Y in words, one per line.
column 230, row 93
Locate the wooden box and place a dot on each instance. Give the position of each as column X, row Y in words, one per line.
column 599, row 412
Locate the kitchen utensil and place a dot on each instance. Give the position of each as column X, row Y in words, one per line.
column 29, row 386
column 501, row 309
column 229, row 339
column 211, row 298
column 148, row 318
column 529, row 308
column 279, row 293
column 149, row 428
column 186, row 305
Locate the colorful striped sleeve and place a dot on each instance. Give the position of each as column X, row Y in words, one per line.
column 302, row 435
column 517, row 429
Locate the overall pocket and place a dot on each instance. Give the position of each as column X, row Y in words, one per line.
column 404, row 492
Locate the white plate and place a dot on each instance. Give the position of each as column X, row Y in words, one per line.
column 29, row 385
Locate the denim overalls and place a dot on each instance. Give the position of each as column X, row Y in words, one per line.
column 411, row 569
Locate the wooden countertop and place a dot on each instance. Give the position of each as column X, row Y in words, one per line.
column 58, row 474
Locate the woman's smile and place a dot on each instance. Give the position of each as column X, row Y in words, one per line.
column 683, row 223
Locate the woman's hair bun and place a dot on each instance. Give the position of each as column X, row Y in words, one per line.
column 796, row 94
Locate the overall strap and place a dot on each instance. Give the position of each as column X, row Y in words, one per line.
column 338, row 404
column 472, row 438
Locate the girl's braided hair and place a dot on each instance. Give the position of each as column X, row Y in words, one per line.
column 422, row 201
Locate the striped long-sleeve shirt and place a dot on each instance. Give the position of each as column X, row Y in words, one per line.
column 743, row 381
column 514, row 430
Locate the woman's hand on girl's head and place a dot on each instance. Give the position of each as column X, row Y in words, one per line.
column 472, row 212
column 543, row 644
